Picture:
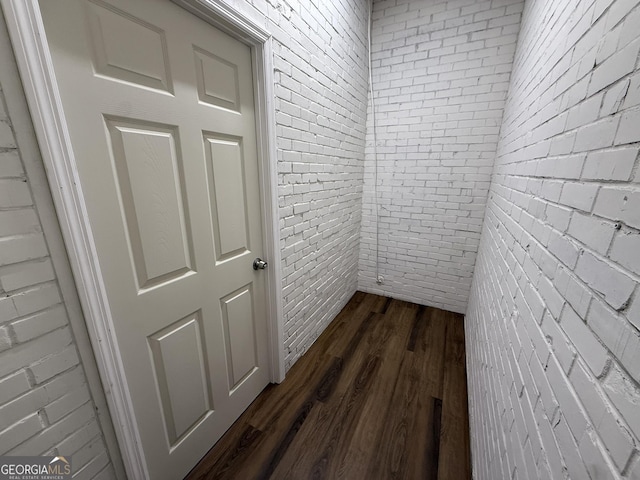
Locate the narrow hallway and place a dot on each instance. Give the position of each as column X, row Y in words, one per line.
column 381, row 394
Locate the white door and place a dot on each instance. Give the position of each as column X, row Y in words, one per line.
column 160, row 110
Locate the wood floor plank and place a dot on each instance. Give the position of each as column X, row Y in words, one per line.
column 411, row 428
column 234, row 452
column 324, row 420
column 329, row 428
column 454, row 454
column 339, row 340
column 430, row 348
column 381, row 394
column 274, row 413
column 355, row 460
column 416, row 330
column 318, row 390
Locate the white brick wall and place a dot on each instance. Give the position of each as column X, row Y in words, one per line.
column 321, row 71
column 44, row 397
column 440, row 73
column 553, row 321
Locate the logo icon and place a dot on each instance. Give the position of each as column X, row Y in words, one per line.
column 35, row 468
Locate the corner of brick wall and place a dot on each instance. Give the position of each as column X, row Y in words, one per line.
column 441, row 72
column 321, row 70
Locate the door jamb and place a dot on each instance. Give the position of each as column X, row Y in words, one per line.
column 27, row 33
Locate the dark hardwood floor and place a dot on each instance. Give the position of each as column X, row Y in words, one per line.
column 381, row 395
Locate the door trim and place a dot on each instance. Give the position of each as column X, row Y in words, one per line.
column 27, row 33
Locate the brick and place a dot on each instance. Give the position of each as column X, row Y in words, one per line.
column 629, row 131
column 633, row 312
column 588, row 391
column 561, row 346
column 616, row 439
column 579, row 195
column 632, row 98
column 19, row 249
column 593, row 457
column 23, row 275
column 10, row 165
column 6, row 135
column 600, row 134
column 594, row 232
column 22, row 406
column 574, row 462
column 551, row 450
column 625, row 396
column 553, row 301
column 67, row 404
column 25, row 354
column 625, row 250
column 19, row 432
column 567, row 400
column 558, row 217
column 13, row 385
column 7, row 308
column 54, row 364
column 629, row 31
column 610, row 164
column 55, row 433
column 618, row 11
column 592, row 351
column 79, row 438
column 14, row 193
column 565, row 167
column 615, row 67
column 42, row 322
column 106, row 474
column 98, row 460
column 18, row 222
column 584, row 113
column 615, row 287
column 614, row 98
column 5, row 339
column 619, row 204
column 566, row 251
column 634, row 471
column 618, row 335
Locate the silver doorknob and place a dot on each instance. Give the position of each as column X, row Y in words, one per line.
column 259, row 264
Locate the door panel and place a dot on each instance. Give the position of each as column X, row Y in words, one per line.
column 240, row 335
column 217, row 80
column 186, row 399
column 227, row 191
column 160, row 111
column 112, row 34
column 150, row 181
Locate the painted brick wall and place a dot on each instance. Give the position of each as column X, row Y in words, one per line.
column 440, row 73
column 320, row 62
column 321, row 71
column 45, row 404
column 553, row 322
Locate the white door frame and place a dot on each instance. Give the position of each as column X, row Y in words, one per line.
column 33, row 56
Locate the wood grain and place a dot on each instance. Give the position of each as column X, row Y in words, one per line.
column 380, row 395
